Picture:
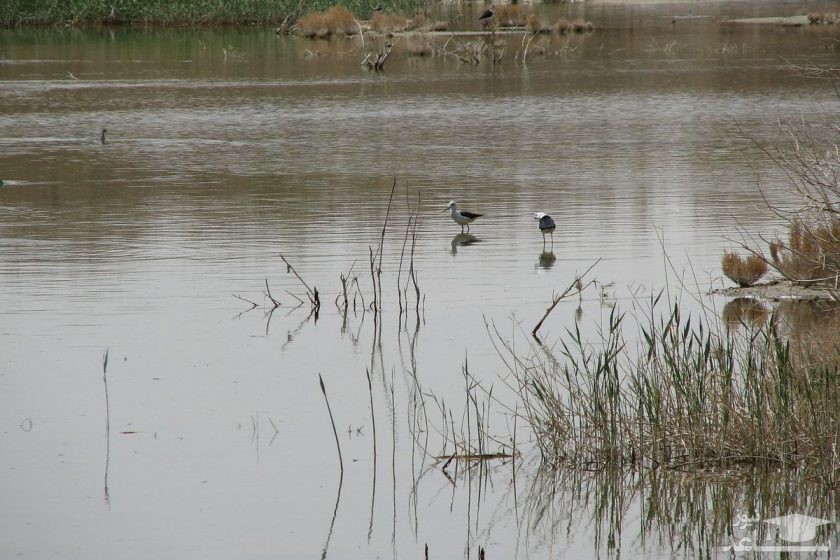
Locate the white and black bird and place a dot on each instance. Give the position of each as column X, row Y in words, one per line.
column 461, row 218
column 487, row 16
column 547, row 226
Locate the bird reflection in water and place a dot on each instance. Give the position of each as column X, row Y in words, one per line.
column 463, row 240
column 547, row 260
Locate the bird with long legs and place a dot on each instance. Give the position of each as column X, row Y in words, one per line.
column 462, row 218
column 547, row 226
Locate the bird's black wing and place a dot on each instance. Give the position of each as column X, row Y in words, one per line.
column 470, row 215
column 547, row 223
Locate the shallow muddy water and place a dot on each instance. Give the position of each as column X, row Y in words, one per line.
column 226, row 148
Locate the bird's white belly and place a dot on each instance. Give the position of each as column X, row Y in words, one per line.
column 461, row 220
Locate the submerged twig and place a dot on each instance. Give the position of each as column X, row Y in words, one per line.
column 573, row 289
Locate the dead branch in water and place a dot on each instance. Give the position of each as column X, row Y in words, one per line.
column 314, row 299
column 248, row 301
column 573, row 289
column 274, row 302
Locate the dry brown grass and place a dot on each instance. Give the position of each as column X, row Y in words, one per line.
column 417, row 21
column 816, row 18
column 341, row 21
column 580, row 25
column 743, row 271
column 512, row 15
column 335, row 21
column 388, row 23
column 812, row 253
column 439, row 26
column 313, row 24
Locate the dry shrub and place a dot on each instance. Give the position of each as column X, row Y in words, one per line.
column 816, row 18
column 313, row 24
column 341, row 21
column 811, row 254
column 512, row 15
column 387, row 23
column 439, row 26
column 417, row 45
column 744, row 272
column 335, row 21
column 417, row 21
column 582, row 26
column 562, row 26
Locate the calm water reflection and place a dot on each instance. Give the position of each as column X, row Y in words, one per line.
column 220, row 445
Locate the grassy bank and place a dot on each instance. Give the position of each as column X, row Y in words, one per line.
column 178, row 12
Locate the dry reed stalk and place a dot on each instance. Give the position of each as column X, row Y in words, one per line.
column 332, row 421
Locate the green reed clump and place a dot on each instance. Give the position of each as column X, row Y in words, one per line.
column 689, row 396
column 175, row 12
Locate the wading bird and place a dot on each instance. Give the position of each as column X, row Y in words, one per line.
column 487, row 17
column 547, row 225
column 461, row 218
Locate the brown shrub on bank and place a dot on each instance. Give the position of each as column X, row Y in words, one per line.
column 440, row 26
column 811, row 253
column 562, row 26
column 341, row 21
column 335, row 21
column 582, row 26
column 512, row 15
column 816, row 18
column 313, row 24
column 417, row 21
column 387, row 23
column 744, row 272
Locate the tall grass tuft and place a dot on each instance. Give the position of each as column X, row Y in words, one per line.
column 691, row 395
column 743, row 271
column 512, row 15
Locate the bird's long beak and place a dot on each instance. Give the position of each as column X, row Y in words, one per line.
column 447, row 208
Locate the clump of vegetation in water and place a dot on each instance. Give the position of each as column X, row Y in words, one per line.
column 692, row 395
column 743, row 271
column 335, row 21
column 177, row 12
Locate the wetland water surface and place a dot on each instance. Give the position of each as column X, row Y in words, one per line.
column 226, row 148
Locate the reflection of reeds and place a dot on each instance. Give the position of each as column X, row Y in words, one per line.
column 693, row 516
column 691, row 397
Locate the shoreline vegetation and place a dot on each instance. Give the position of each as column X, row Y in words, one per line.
column 285, row 15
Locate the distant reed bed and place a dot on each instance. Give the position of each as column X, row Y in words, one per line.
column 176, row 12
